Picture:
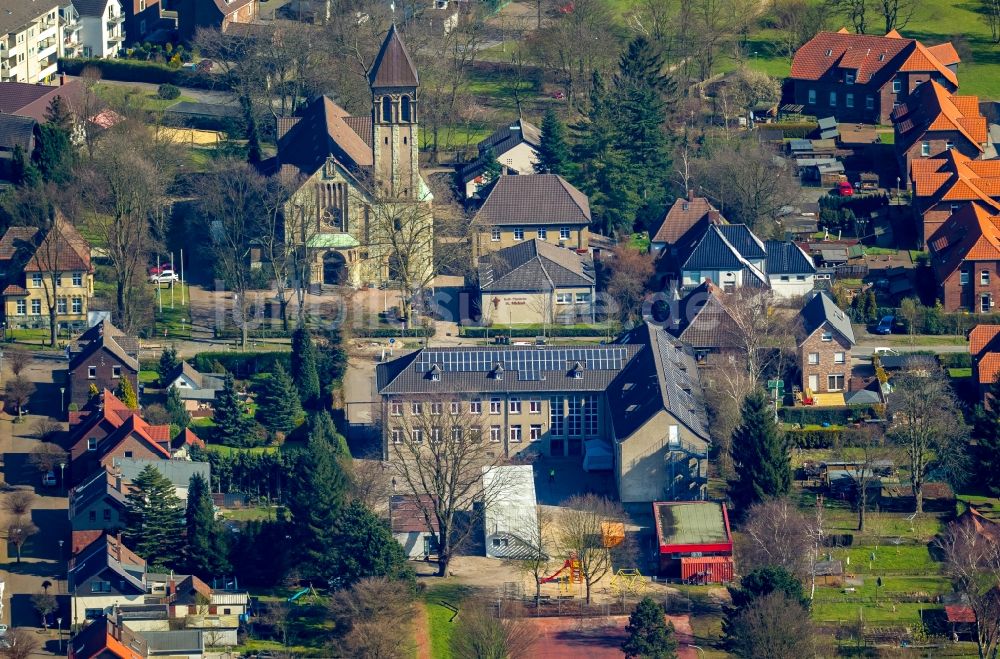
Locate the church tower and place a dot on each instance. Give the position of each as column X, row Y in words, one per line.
column 395, row 143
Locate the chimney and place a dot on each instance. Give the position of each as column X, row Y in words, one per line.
column 713, row 216
column 62, row 79
column 690, row 195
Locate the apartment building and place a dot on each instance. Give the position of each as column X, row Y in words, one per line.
column 33, row 36
column 103, row 23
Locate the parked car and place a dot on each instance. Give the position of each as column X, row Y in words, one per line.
column 845, row 189
column 885, row 325
column 164, row 277
column 159, row 269
column 884, row 352
column 49, row 479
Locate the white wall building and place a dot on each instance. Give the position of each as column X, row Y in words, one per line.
column 31, row 40
column 102, row 23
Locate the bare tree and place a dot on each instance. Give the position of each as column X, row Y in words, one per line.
column 370, row 483
column 868, row 453
column 989, row 10
column 440, row 457
column 773, row 625
column 856, row 12
column 972, row 560
column 47, row 457
column 272, row 231
column 50, row 248
column 926, row 424
column 797, row 21
column 45, row 604
column 631, row 270
column 18, row 503
column 582, row 531
column 480, row 634
column 17, row 392
column 757, row 332
column 18, row 533
column 776, row 533
column 18, row 360
column 897, row 13
column 539, row 542
column 368, row 620
column 21, row 644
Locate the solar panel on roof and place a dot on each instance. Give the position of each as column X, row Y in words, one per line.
column 558, row 359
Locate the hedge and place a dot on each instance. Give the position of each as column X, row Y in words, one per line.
column 814, row 438
column 835, row 416
column 484, row 332
column 797, row 129
column 241, row 364
column 393, row 332
column 955, row 360
column 139, row 71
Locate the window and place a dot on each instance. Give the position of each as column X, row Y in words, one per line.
column 495, row 235
column 849, row 78
column 116, row 371
column 515, row 433
column 22, row 307
column 78, row 279
column 397, row 436
column 36, row 307
column 839, row 358
column 436, row 434
column 835, row 382
column 984, row 278
column 100, row 587
column 573, row 416
column 673, row 435
column 784, row 278
column 142, row 26
column 897, row 86
column 476, row 433
column 518, row 233
column 963, row 277
column 128, row 454
column 543, row 234
column 925, row 149
column 78, row 305
column 142, row 5
column 535, row 432
column 515, row 405
column 417, row 408
column 564, row 298
column 869, row 102
column 456, row 433
column 417, row 435
column 494, row 433
column 833, row 99
column 92, row 444
column 436, row 409
column 556, row 415
column 827, row 336
column 92, row 516
column 476, row 407
column 404, row 108
column 590, row 416
column 583, row 298
column 813, row 358
column 456, row 407
column 495, row 405
column 985, row 302
column 386, row 109
column 93, row 614
column 534, row 406
column 849, row 100
column 800, row 277
column 395, row 408
column 91, row 372
column 812, row 97
column 58, row 281
column 107, row 514
column 564, row 233
column 61, row 305
column 949, row 146
column 36, row 280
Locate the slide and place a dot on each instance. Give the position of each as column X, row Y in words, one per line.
column 573, row 565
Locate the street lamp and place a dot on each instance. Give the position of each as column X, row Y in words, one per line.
column 62, row 474
column 62, row 399
column 59, row 623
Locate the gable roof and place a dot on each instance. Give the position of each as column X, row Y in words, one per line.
column 15, row 14
column 91, row 7
column 134, row 426
column 321, row 131
column 392, row 66
column 684, row 215
column 717, row 250
column 27, row 100
column 981, row 336
column 533, row 199
column 785, row 257
column 510, row 135
column 822, row 310
column 101, row 485
column 107, row 553
column 874, row 58
column 702, row 319
column 107, row 637
column 953, row 176
column 932, row 108
column 178, row 472
column 406, row 515
column 63, row 249
column 534, row 265
column 969, row 233
column 214, row 382
column 110, row 338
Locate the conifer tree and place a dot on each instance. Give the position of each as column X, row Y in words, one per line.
column 168, row 364
column 154, row 519
column 179, row 416
column 231, row 426
column 206, row 542
column 649, row 635
column 316, row 495
column 491, row 174
column 53, row 154
column 22, row 171
column 321, row 427
column 760, row 455
column 126, row 393
column 553, row 151
column 988, row 439
column 365, row 547
column 304, row 373
column 278, row 406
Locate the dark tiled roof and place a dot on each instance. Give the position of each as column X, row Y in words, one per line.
column 322, row 131
column 13, row 239
column 406, row 515
column 17, row 131
column 713, row 252
column 91, row 7
column 28, row 100
column 533, row 199
column 663, row 377
column 100, row 485
column 785, row 257
column 510, row 135
column 362, row 126
column 820, row 310
column 175, row 642
column 534, row 265
column 105, row 637
column 112, row 345
column 683, row 216
column 393, row 66
column 16, row 14
column 702, row 319
column 107, row 553
column 63, row 249
column 748, row 245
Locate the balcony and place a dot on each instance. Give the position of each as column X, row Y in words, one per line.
column 48, row 71
column 115, row 20
column 69, row 29
column 47, row 48
column 115, row 38
column 47, row 29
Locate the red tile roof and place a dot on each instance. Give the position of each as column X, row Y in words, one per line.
column 13, row 290
column 873, row 57
column 988, row 367
column 981, row 336
column 932, row 108
column 27, row 100
column 970, row 233
column 959, row 613
column 954, row 177
column 682, row 216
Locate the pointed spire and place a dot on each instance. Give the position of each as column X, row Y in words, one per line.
column 393, row 66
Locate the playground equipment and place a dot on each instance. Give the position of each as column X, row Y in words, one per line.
column 628, row 581
column 302, row 592
column 573, row 576
column 612, row 534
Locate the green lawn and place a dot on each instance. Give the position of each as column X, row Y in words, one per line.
column 439, row 616
column 960, row 372
column 230, row 450
column 905, row 612
column 148, row 377
column 172, row 323
column 249, row 514
column 455, row 137
column 119, row 95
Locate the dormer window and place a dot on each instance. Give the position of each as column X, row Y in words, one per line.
column 881, row 57
column 497, row 373
column 829, row 52
column 849, row 78
column 434, row 373
column 577, row 371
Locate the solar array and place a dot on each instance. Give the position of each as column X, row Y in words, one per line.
column 530, row 361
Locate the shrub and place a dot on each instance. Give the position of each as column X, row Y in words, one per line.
column 795, row 128
column 529, row 332
column 814, row 438
column 168, row 92
column 241, row 364
column 140, row 71
column 955, row 360
column 394, row 332
column 836, row 416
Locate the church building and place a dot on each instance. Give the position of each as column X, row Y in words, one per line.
column 360, row 210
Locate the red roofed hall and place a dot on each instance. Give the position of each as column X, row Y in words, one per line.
column 858, row 78
column 695, row 541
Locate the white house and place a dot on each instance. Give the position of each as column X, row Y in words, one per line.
column 102, row 27
column 197, row 389
column 514, row 146
column 510, row 520
column 790, row 271
column 409, row 526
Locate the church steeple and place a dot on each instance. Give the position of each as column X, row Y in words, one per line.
column 393, row 81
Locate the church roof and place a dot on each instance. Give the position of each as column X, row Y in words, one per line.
column 324, row 130
column 393, row 66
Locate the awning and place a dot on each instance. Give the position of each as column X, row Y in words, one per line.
column 597, row 455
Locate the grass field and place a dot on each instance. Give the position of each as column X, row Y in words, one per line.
column 119, row 95
column 439, row 616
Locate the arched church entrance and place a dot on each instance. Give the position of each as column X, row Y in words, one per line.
column 334, row 268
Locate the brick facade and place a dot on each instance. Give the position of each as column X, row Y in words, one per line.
column 104, row 364
column 826, row 365
column 937, row 142
column 958, row 296
column 883, row 98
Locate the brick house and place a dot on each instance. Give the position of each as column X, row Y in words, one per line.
column 933, row 122
column 212, row 14
column 105, row 355
column 965, row 257
column 942, row 186
column 142, row 18
column 860, row 78
column 134, row 438
column 984, row 346
column 824, row 347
